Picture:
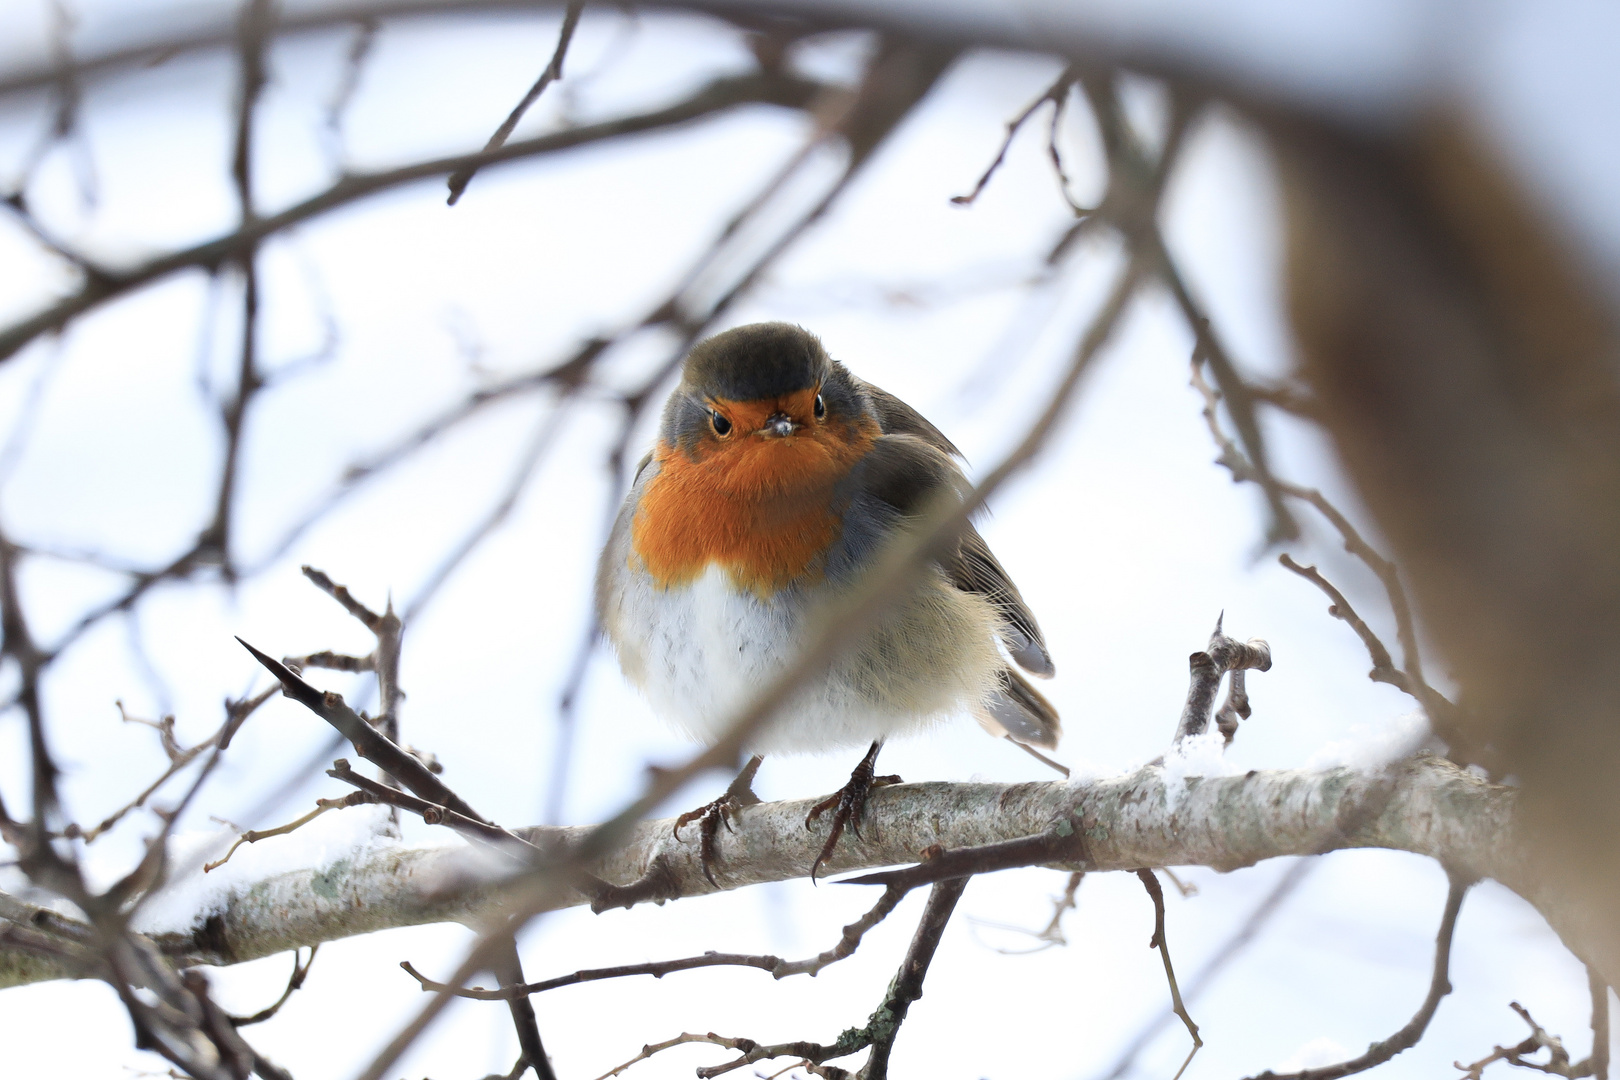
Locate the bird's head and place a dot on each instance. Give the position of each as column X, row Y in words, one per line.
column 766, row 398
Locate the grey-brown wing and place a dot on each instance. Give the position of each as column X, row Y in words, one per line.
column 902, row 474
column 1023, row 712
column 976, row 569
column 895, row 417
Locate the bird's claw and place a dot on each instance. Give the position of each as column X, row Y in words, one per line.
column 710, row 817
column 848, row 804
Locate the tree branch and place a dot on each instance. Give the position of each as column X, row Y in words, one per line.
column 718, row 96
column 1408, row 1036
column 1428, row 806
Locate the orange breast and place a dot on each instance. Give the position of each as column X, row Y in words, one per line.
column 763, row 508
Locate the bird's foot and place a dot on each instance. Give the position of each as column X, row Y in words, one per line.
column 712, row 815
column 848, row 804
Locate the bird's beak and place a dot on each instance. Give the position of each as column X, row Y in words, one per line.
column 779, row 425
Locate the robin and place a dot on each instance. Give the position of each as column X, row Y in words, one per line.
column 776, row 478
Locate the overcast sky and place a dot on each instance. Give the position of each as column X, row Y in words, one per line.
column 1125, row 537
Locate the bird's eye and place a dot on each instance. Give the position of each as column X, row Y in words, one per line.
column 821, row 408
column 722, row 426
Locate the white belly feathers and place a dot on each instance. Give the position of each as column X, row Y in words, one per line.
column 701, row 651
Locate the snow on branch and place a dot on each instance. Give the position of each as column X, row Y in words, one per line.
column 1423, row 805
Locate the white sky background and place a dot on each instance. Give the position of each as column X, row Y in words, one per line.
column 1125, row 538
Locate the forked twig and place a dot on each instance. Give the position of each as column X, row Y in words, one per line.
column 878, row 1033
column 1057, row 94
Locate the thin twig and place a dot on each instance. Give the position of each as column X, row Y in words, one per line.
column 891, row 575
column 1557, row 1063
column 461, row 177
column 847, row 943
column 360, row 46
column 1411, row 679
column 1234, row 945
column 719, row 96
column 880, row 1029
column 295, row 982
column 253, row 836
column 1408, row 1036
column 1383, row 669
column 1057, row 93
column 1052, row 933
column 1151, row 883
column 179, row 758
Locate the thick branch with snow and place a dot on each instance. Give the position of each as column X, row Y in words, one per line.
column 1425, row 805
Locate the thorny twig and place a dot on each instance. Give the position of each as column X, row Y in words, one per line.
column 378, row 744
column 1408, row 1036
column 389, row 629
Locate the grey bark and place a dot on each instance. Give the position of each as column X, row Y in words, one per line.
column 1426, row 806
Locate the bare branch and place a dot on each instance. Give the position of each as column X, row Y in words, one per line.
column 1411, row 680
column 1383, row 669
column 880, row 1029
column 1557, row 1063
column 1057, row 94
column 1158, row 941
column 907, row 986
column 719, row 96
column 1212, row 968
column 1426, row 805
column 295, row 982
column 779, row 968
column 1408, row 1036
column 461, row 177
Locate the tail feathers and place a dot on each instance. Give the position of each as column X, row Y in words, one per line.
column 1019, row 711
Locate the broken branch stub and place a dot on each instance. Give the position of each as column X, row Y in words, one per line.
column 1223, row 655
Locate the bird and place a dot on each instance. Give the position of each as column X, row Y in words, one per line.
column 776, row 478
